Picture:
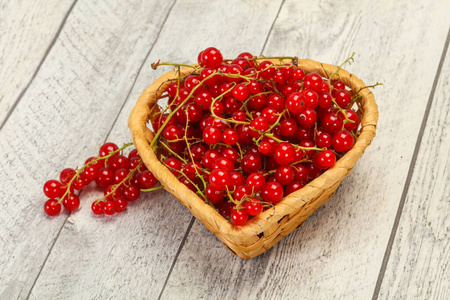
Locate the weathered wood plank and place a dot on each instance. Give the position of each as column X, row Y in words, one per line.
column 27, row 29
column 129, row 255
column 338, row 252
column 63, row 117
column 419, row 265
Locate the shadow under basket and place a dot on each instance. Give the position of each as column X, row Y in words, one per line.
column 268, row 228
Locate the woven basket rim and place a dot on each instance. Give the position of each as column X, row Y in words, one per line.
column 289, row 204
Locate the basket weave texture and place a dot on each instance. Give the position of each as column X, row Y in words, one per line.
column 268, row 228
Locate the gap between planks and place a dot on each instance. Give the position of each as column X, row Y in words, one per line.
column 52, row 43
column 109, row 132
column 412, row 165
column 188, row 230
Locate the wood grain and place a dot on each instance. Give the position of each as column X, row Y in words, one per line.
column 62, row 118
column 130, row 255
column 27, row 29
column 339, row 250
column 419, row 265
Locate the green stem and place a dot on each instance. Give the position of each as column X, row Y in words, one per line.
column 153, row 189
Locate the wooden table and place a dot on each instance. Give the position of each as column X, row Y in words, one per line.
column 72, row 70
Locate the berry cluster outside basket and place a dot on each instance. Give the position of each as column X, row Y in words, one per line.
column 268, row 228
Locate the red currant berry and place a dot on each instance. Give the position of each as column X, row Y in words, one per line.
column 311, row 97
column 296, row 102
column 266, row 69
column 277, row 102
column 313, row 172
column 197, row 150
column 241, row 92
column 351, row 114
column 238, row 217
column 210, row 157
column 307, row 118
column 207, row 72
column 225, row 209
column 131, row 192
column 258, row 124
column 298, row 74
column 239, row 115
column 105, row 177
column 256, row 181
column 331, row 123
column 107, row 148
column 173, row 132
column 343, row 141
column 98, row 208
column 272, row 192
column 288, row 127
column 284, row 175
column 284, row 154
column 313, row 81
column 266, row 148
column 231, row 154
column 324, row 160
column 214, row 195
column 120, row 175
column 67, row 175
column 237, row 178
column 304, row 133
column 203, row 100
column 307, row 144
column 109, row 208
column 53, row 189
column 342, row 97
column 251, row 163
column 247, row 56
column 300, row 173
column 224, row 164
column 71, row 203
column 90, row 172
column 121, row 205
column 323, row 139
column 294, row 186
column 338, row 85
column 80, row 183
column 230, row 136
column 172, row 89
column 257, row 102
column 241, row 192
column 212, row 135
column 52, row 207
column 211, row 57
column 325, row 100
column 135, row 161
column 253, row 207
column 219, row 179
column 110, row 195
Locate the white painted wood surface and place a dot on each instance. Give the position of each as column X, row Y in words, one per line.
column 419, row 263
column 27, row 30
column 82, row 95
column 65, row 114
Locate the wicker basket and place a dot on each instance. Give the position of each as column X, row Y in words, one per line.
column 265, row 230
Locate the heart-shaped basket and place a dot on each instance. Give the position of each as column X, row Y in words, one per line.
column 268, row 228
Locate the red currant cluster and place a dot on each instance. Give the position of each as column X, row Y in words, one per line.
column 242, row 133
column 122, row 178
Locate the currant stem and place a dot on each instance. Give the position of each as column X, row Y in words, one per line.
column 153, row 189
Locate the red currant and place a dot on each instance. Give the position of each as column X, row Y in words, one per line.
column 71, row 203
column 52, row 207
